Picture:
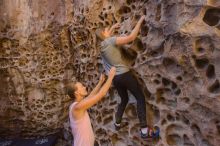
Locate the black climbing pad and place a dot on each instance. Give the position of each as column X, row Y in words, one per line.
column 6, row 142
column 42, row 141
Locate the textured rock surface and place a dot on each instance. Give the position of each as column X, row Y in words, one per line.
column 44, row 43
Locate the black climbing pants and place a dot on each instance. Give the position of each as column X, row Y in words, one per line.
column 122, row 83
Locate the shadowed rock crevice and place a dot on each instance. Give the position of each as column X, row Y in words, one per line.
column 212, row 16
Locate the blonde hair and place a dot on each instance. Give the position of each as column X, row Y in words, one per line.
column 99, row 34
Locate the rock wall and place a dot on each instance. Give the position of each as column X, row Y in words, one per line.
column 175, row 57
column 34, row 44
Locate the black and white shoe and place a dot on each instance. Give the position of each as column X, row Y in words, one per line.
column 146, row 135
column 151, row 133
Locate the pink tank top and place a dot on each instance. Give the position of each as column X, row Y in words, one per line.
column 81, row 129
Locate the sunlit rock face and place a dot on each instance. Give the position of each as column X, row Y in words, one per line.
column 34, row 51
column 176, row 57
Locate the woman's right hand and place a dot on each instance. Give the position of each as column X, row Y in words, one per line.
column 142, row 18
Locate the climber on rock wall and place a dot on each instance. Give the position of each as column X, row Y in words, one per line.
column 124, row 79
column 79, row 119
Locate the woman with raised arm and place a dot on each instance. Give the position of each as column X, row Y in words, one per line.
column 79, row 118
